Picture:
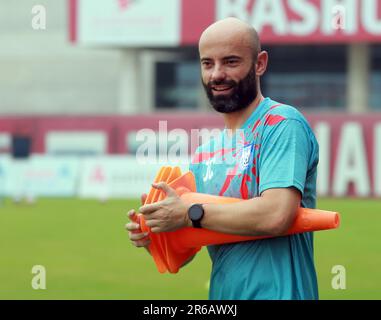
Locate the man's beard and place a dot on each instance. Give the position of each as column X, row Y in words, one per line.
column 244, row 93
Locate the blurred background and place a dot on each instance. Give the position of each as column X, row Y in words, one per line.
column 80, row 78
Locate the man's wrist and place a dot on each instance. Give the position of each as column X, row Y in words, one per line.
column 188, row 221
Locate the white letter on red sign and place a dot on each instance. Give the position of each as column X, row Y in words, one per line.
column 310, row 20
column 351, row 163
column 232, row 8
column 272, row 13
column 329, row 12
column 323, row 136
column 369, row 16
column 377, row 160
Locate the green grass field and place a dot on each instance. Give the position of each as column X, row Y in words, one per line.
column 87, row 254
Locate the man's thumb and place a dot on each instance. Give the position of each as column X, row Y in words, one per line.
column 164, row 187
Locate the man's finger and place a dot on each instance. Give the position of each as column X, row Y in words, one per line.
column 132, row 226
column 166, row 188
column 142, row 243
column 155, row 229
column 143, row 198
column 149, row 208
column 131, row 214
column 138, row 236
column 152, row 216
column 152, row 223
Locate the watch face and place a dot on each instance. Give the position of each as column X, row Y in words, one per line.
column 196, row 212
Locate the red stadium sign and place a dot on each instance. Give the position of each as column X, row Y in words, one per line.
column 350, row 146
column 309, row 20
column 349, row 155
column 181, row 22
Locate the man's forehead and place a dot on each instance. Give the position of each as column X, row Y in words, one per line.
column 222, row 47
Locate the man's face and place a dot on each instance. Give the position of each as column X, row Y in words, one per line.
column 239, row 95
column 228, row 76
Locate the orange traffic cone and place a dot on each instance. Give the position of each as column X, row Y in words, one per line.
column 170, row 250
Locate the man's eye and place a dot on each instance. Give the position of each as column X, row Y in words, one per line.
column 206, row 63
column 232, row 61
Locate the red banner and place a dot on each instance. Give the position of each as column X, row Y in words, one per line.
column 350, row 146
column 292, row 21
column 277, row 21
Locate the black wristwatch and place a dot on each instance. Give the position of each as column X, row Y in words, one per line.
column 195, row 214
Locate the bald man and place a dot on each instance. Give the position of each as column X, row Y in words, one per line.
column 267, row 154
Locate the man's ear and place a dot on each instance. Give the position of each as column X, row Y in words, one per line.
column 261, row 64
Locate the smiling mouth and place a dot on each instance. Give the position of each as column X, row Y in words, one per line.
column 222, row 88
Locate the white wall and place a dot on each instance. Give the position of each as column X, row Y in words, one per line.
column 42, row 73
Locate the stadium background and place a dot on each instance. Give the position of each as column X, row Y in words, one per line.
column 73, row 97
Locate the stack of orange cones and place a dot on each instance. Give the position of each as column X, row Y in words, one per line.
column 170, row 250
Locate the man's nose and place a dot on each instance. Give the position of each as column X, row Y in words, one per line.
column 218, row 73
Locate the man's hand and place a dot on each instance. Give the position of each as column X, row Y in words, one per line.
column 167, row 215
column 140, row 239
column 135, row 234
